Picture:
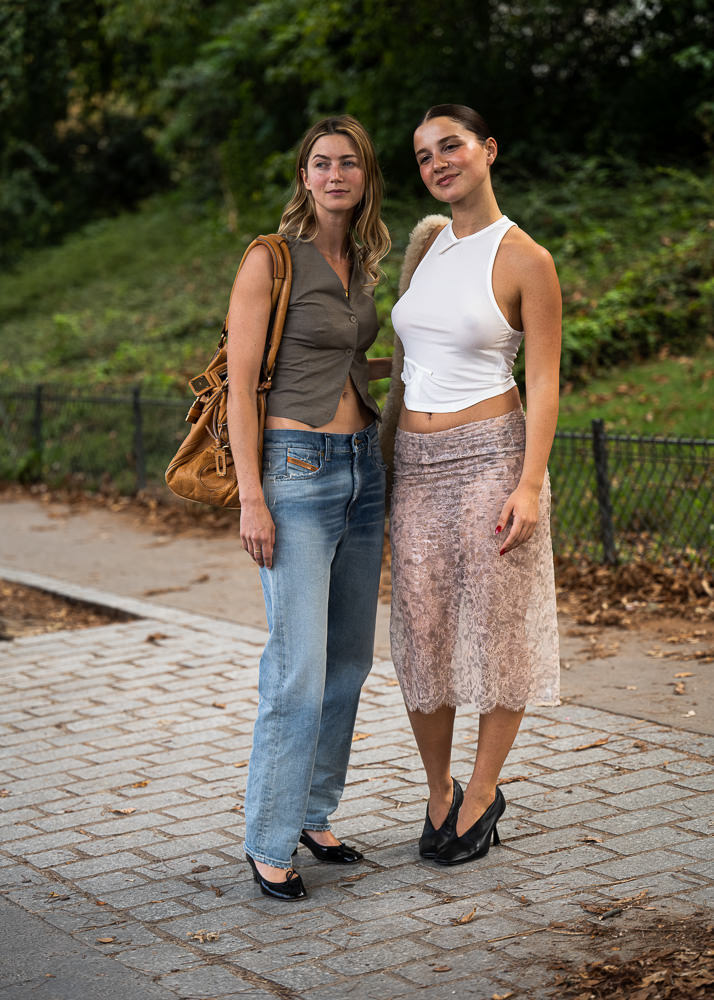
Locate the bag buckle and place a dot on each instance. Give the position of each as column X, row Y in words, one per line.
column 221, row 464
column 199, row 384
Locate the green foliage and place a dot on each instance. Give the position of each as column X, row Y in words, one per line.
column 141, row 298
column 101, row 101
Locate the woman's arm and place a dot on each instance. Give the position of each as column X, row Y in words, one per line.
column 248, row 318
column 541, row 320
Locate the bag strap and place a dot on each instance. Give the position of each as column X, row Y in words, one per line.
column 277, row 245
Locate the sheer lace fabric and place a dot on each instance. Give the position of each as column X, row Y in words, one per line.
column 469, row 626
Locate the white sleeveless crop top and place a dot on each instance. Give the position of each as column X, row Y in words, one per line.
column 458, row 346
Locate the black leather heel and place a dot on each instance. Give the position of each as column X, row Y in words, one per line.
column 337, row 854
column 475, row 842
column 432, row 840
column 291, row 888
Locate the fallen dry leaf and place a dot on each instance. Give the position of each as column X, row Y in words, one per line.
column 466, row 918
column 591, row 840
column 595, row 743
column 202, row 936
column 105, row 940
column 502, row 996
column 124, row 812
column 241, row 763
column 140, row 784
column 200, row 868
column 359, row 736
column 156, row 637
column 442, row 968
column 218, row 892
column 680, row 687
column 684, row 673
column 4, row 792
column 218, row 704
column 516, row 777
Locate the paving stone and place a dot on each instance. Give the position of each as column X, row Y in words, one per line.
column 633, row 779
column 581, row 812
column 654, row 885
column 283, row 954
column 157, row 959
column 209, row 981
column 397, row 901
column 643, row 797
column 482, row 931
column 350, row 935
column 373, row 987
column 559, row 861
column 652, row 838
column 696, row 805
column 691, row 767
column 640, row 819
column 557, row 884
column 158, row 911
column 444, row 969
column 641, row 864
column 704, row 824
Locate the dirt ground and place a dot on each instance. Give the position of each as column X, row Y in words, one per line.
column 27, row 611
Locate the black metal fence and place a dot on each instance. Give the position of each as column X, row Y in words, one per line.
column 616, row 497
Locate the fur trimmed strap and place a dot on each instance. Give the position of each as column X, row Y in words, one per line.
column 420, row 239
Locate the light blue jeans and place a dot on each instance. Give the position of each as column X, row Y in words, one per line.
column 325, row 493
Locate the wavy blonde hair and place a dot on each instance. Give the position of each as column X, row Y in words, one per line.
column 368, row 236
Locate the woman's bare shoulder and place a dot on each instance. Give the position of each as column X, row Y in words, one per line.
column 521, row 250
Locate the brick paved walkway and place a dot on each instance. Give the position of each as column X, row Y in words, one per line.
column 124, row 752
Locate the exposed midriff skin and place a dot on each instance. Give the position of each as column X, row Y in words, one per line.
column 351, row 416
column 426, row 423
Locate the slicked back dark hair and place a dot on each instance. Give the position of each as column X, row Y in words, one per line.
column 462, row 114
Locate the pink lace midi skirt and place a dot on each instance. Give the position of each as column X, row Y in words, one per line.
column 468, row 625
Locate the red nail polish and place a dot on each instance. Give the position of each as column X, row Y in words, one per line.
column 498, row 529
column 501, row 552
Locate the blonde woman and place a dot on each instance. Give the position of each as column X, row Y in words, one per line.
column 313, row 517
column 473, row 599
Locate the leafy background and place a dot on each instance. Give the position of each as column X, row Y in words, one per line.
column 144, row 142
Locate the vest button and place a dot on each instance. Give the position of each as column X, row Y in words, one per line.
column 353, row 319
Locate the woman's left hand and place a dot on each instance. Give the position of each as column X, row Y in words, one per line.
column 522, row 507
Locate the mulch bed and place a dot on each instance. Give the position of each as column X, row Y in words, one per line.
column 28, row 611
column 664, row 959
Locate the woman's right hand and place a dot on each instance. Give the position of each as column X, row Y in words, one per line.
column 257, row 532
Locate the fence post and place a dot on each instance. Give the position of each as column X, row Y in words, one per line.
column 37, row 436
column 604, row 503
column 139, row 454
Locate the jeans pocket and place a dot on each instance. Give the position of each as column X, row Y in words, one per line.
column 303, row 463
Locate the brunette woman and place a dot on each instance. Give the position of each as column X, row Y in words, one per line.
column 313, row 517
column 473, row 600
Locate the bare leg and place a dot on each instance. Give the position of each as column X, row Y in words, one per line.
column 496, row 733
column 434, row 734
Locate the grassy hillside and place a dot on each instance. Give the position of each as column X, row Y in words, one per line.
column 141, row 298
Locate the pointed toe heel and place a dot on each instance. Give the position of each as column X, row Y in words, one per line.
column 291, row 888
column 431, row 840
column 337, row 854
column 476, row 841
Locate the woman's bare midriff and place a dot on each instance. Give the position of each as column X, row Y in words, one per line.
column 426, row 423
column 351, row 416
